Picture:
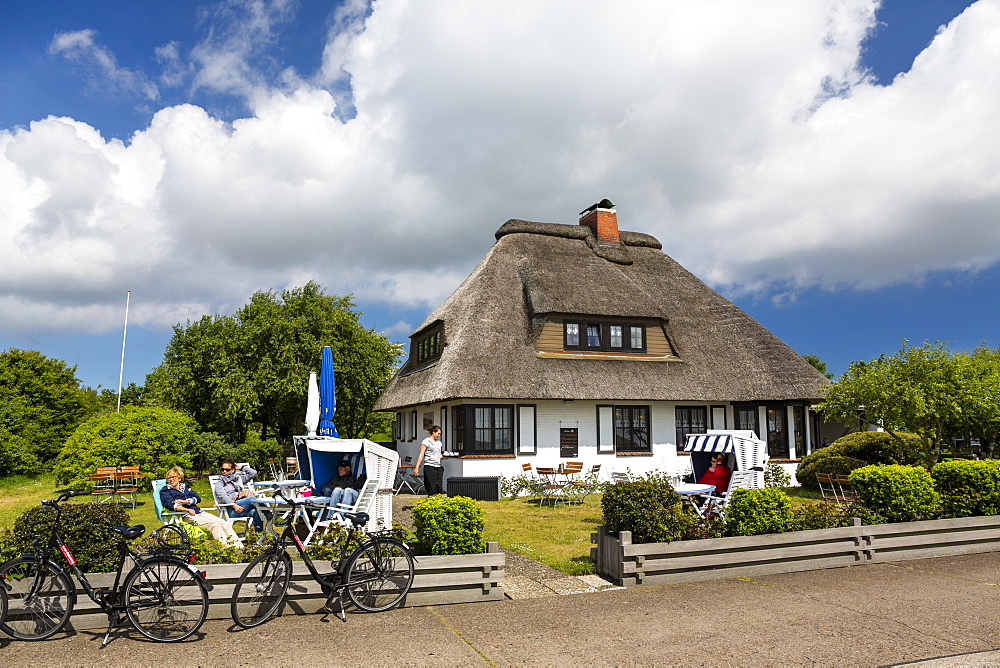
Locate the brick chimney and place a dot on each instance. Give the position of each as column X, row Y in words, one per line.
column 602, row 221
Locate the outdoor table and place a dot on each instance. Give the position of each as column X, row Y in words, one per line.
column 271, row 509
column 690, row 490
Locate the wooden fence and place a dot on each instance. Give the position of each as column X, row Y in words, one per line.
column 443, row 579
column 618, row 560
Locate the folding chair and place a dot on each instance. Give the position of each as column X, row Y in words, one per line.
column 104, row 483
column 584, row 488
column 406, row 478
column 618, row 476
column 127, row 482
column 291, row 467
column 552, row 490
column 836, row 488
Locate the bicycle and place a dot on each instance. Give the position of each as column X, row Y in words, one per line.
column 376, row 574
column 164, row 596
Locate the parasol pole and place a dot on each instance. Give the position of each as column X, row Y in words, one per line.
column 121, row 369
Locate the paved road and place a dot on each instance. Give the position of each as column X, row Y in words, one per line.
column 941, row 611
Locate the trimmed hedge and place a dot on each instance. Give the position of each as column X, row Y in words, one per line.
column 896, row 493
column 752, row 512
column 968, row 488
column 86, row 528
column 653, row 512
column 452, row 525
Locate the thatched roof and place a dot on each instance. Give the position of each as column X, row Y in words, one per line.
column 535, row 270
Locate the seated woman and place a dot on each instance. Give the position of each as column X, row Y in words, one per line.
column 179, row 496
column 717, row 474
column 233, row 495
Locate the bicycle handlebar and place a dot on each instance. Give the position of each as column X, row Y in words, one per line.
column 52, row 503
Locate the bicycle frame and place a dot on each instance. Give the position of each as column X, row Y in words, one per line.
column 110, row 600
column 331, row 583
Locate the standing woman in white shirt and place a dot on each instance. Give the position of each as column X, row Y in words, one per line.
column 430, row 457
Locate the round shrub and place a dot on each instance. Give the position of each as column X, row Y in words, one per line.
column 653, row 512
column 449, row 525
column 86, row 528
column 752, row 512
column 820, row 515
column 154, row 439
column 896, row 493
column 838, row 464
column 881, row 447
column 804, row 473
column 968, row 488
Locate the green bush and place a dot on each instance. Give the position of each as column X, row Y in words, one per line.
column 820, row 515
column 449, row 525
column 86, row 528
column 896, row 493
column 652, row 512
column 881, row 447
column 968, row 488
column 804, row 473
column 154, row 439
column 776, row 476
column 752, row 512
column 8, row 546
column 256, row 452
column 832, row 463
column 208, row 450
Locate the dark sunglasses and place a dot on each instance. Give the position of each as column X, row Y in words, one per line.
column 226, row 470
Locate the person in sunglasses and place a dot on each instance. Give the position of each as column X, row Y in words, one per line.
column 233, row 495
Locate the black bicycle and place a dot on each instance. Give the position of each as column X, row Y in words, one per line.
column 375, row 570
column 164, row 596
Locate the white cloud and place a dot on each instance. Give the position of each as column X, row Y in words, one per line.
column 741, row 134
column 81, row 46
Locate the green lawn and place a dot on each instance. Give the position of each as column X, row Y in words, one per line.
column 19, row 493
column 558, row 537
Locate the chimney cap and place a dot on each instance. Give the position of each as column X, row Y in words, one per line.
column 603, row 204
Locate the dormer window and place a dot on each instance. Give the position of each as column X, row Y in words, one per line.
column 427, row 347
column 604, row 336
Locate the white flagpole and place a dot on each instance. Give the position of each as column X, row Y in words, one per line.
column 121, row 369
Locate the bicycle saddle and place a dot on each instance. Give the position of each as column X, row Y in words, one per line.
column 130, row 533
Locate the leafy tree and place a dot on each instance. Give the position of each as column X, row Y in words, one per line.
column 41, row 403
column 252, row 368
column 818, row 364
column 922, row 389
column 132, row 395
column 152, row 438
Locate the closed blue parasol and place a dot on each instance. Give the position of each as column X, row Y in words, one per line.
column 327, row 395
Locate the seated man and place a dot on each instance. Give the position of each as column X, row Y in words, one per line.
column 178, row 495
column 231, row 491
column 340, row 489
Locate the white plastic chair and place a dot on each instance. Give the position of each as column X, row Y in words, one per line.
column 220, row 509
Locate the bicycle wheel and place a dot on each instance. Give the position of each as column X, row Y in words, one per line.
column 170, row 536
column 40, row 598
column 165, row 600
column 261, row 588
column 379, row 574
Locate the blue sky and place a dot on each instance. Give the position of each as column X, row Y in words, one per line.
column 829, row 166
